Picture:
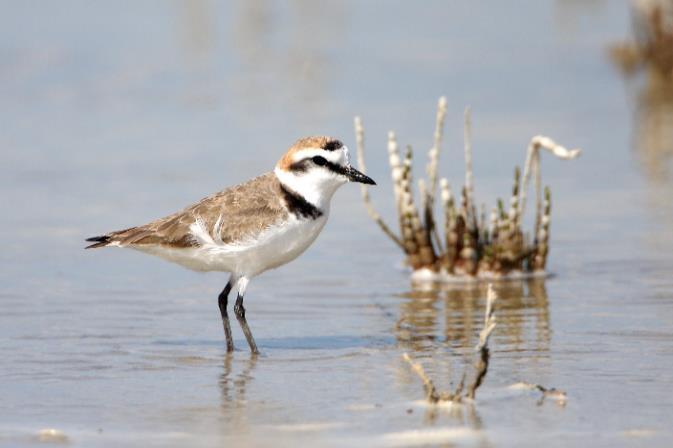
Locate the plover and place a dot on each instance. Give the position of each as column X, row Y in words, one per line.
column 252, row 227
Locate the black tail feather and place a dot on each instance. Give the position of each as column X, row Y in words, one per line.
column 99, row 241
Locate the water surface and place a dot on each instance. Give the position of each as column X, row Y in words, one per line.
column 112, row 116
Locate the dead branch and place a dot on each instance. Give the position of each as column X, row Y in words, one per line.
column 433, row 162
column 533, row 166
column 364, row 190
column 396, row 169
column 433, row 154
column 542, row 225
column 434, row 396
column 481, row 366
column 430, row 390
column 467, row 137
column 551, row 393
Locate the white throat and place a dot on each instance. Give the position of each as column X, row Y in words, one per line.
column 316, row 190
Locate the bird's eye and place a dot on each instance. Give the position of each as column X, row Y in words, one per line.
column 319, row 160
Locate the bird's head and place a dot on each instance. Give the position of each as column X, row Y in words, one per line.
column 315, row 167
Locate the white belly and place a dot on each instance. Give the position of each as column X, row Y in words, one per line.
column 270, row 249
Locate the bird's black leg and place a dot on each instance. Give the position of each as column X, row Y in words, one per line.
column 240, row 315
column 222, row 300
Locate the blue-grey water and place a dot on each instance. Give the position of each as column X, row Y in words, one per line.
column 114, row 114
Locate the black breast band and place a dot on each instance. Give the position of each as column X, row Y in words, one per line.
column 299, row 206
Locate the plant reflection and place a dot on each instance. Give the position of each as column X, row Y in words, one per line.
column 523, row 317
column 441, row 327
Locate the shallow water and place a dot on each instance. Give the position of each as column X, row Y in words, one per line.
column 113, row 116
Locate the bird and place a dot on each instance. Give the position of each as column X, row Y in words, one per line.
column 252, row 227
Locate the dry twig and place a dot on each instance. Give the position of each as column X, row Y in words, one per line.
column 434, row 396
column 430, row 390
column 360, row 144
column 433, row 154
column 433, row 162
column 467, row 139
column 482, row 347
column 532, row 166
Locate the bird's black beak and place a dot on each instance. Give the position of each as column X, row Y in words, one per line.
column 355, row 176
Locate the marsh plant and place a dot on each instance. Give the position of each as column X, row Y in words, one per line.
column 646, row 61
column 652, row 45
column 466, row 244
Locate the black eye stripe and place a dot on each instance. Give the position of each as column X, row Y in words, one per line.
column 332, row 145
column 302, row 165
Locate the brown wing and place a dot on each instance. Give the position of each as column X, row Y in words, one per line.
column 243, row 210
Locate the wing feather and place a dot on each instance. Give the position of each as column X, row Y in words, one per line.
column 230, row 215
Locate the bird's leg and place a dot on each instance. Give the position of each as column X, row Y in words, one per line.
column 240, row 315
column 222, row 301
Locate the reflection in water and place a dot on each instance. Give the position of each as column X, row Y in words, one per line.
column 436, row 325
column 418, row 320
column 522, row 310
column 233, row 389
column 465, row 414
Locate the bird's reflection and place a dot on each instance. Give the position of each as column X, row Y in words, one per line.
column 233, row 385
